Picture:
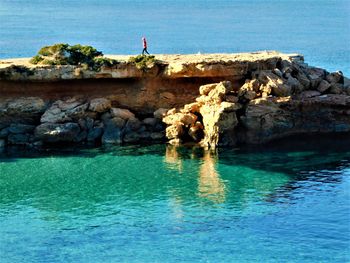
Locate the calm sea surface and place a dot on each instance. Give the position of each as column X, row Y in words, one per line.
column 319, row 29
column 162, row 204
column 289, row 203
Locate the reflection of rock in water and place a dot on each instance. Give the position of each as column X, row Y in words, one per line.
column 176, row 207
column 173, row 159
column 210, row 186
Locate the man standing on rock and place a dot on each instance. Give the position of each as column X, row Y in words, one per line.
column 144, row 43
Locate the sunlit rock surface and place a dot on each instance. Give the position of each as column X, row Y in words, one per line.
column 210, row 100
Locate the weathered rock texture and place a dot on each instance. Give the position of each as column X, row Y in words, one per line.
column 214, row 100
column 287, row 100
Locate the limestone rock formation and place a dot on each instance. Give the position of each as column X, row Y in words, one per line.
column 291, row 99
column 210, row 121
column 209, row 100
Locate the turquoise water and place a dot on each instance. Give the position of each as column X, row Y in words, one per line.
column 320, row 29
column 165, row 204
column 278, row 203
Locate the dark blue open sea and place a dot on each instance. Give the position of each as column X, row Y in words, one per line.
column 283, row 202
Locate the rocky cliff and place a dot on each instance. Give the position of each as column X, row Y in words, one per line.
column 212, row 100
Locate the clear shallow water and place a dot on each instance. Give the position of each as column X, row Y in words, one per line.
column 157, row 204
column 162, row 204
column 319, row 29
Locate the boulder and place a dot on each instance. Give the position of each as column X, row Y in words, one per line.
column 3, row 125
column 18, row 128
column 277, row 85
column 18, row 139
column 219, row 92
column 4, row 133
column 95, row 134
column 263, row 118
column 100, row 105
column 21, row 110
column 174, row 131
column 304, row 80
column 145, row 136
column 160, row 113
column 113, row 132
column 2, row 145
column 323, row 86
column 335, row 77
column 183, row 118
column 249, row 90
column 219, row 123
column 106, row 116
column 286, row 66
column 86, row 124
column 56, row 132
column 336, row 88
column 295, row 85
column 205, row 89
column 309, row 94
column 31, row 105
column 157, row 135
column 265, row 90
column 68, row 104
column 231, row 98
column 278, row 72
column 82, row 136
column 77, row 112
column 191, row 107
column 133, row 124
column 226, row 106
column 54, row 115
column 63, row 111
column 315, row 75
column 131, row 137
column 122, row 113
column 150, row 122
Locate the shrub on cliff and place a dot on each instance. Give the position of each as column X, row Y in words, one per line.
column 64, row 54
column 143, row 62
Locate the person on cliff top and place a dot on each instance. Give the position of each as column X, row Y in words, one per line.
column 144, row 43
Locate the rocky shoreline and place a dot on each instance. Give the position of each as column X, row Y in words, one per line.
column 209, row 100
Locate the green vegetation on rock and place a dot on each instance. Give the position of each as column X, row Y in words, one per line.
column 65, row 54
column 16, row 69
column 143, row 62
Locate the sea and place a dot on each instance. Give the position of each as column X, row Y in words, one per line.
column 287, row 201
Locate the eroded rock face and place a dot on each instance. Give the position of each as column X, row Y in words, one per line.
column 292, row 99
column 263, row 101
column 210, row 121
column 25, row 110
column 74, row 120
column 271, row 118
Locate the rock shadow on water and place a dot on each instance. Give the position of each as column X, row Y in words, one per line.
column 86, row 180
